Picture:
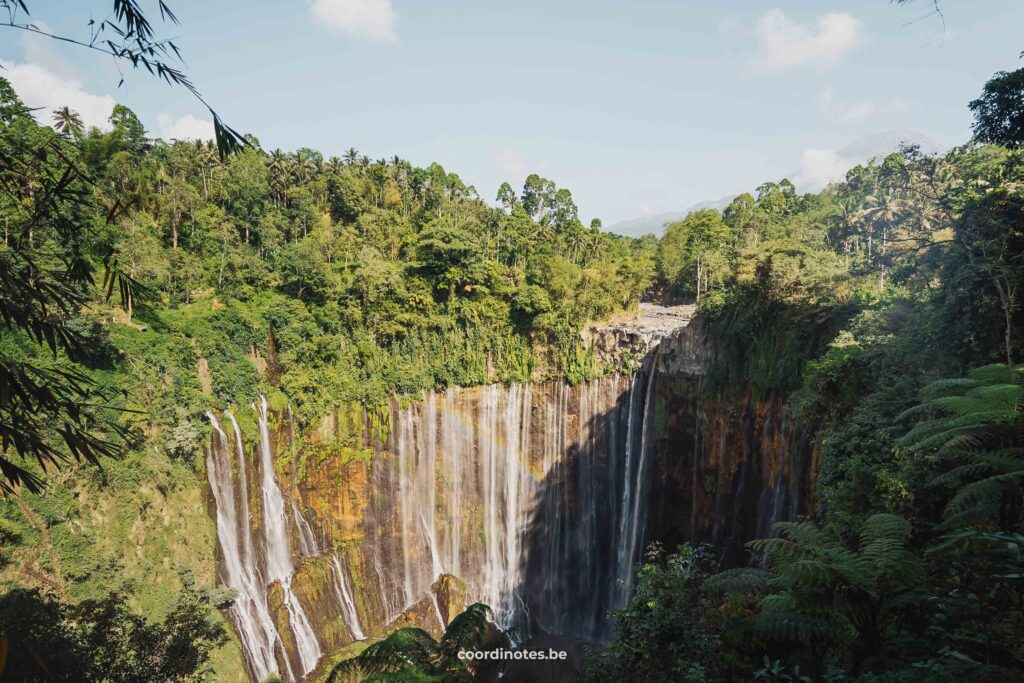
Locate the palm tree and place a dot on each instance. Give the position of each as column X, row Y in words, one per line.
column 885, row 210
column 381, row 173
column 576, row 244
column 67, row 122
column 412, row 654
column 848, row 222
column 351, row 156
column 278, row 167
column 596, row 246
column 303, row 167
column 206, row 155
column 334, row 165
column 545, row 231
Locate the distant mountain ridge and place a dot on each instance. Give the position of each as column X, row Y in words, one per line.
column 858, row 152
column 882, row 144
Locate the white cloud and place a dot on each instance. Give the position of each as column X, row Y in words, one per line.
column 785, row 43
column 374, row 19
column 41, row 50
column 851, row 112
column 511, row 164
column 819, row 167
column 38, row 87
column 185, row 127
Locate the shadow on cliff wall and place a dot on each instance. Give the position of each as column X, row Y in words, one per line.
column 674, row 467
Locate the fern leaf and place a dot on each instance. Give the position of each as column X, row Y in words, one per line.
column 742, row 580
column 886, row 526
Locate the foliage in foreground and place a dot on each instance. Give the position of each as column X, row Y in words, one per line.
column 668, row 632
column 412, row 655
column 96, row 641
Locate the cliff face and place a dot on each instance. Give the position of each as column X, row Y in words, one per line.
column 535, row 499
column 727, row 469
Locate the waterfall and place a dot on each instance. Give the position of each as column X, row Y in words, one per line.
column 488, row 468
column 243, row 484
column 345, row 601
column 278, row 555
column 426, row 444
column 455, row 430
column 405, row 493
column 249, row 612
column 505, row 432
column 634, row 516
column 624, row 556
column 307, row 541
column 533, row 495
column 557, row 501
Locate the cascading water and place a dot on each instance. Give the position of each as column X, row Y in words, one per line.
column 635, row 517
column 625, row 552
column 555, row 526
column 347, row 604
column 253, row 563
column 278, row 554
column 307, row 541
column 249, row 612
column 530, row 494
column 243, row 485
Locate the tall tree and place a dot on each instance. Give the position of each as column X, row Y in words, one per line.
column 688, row 250
column 537, row 195
column 507, row 197
column 999, row 111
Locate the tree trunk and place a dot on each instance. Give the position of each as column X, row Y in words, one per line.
column 1007, row 300
column 699, row 273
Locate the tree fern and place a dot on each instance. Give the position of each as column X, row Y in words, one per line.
column 1006, row 548
column 411, row 655
column 466, row 631
column 403, row 649
column 974, row 429
column 821, row 593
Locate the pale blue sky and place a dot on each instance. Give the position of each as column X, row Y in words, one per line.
column 637, row 107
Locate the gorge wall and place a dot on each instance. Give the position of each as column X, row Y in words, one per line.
column 535, row 499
